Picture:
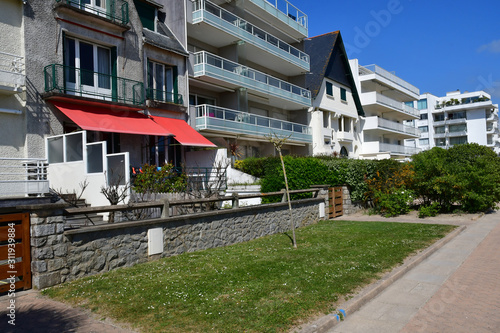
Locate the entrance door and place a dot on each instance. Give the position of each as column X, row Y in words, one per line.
column 15, row 258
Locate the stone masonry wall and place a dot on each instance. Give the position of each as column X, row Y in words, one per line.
column 59, row 255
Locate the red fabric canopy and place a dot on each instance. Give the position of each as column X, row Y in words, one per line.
column 185, row 134
column 97, row 118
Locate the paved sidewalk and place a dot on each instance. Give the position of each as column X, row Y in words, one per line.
column 35, row 313
column 456, row 289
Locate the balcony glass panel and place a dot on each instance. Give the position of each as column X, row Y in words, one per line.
column 121, row 90
column 114, row 10
column 220, row 119
column 210, row 64
column 374, row 69
column 219, row 17
column 286, row 12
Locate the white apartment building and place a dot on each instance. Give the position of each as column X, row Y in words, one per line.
column 247, row 75
column 457, row 118
column 386, row 100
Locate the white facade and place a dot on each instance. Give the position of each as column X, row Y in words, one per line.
column 458, row 118
column 335, row 122
column 388, row 116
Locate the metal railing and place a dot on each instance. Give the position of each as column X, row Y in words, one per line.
column 217, row 118
column 80, row 82
column 164, row 96
column 12, row 69
column 392, row 125
column 115, row 10
column 23, row 176
column 288, row 9
column 397, row 105
column 204, row 61
column 245, row 27
column 374, row 69
column 398, row 149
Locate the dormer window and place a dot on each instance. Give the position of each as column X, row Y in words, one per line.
column 147, row 13
column 329, row 89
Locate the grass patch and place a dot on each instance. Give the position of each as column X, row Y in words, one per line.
column 259, row 286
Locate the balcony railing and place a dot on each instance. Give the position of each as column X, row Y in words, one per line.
column 23, row 176
column 374, row 69
column 225, row 120
column 397, row 105
column 380, row 123
column 209, row 64
column 79, row 82
column 223, row 19
column 113, row 10
column 398, row 149
column 286, row 12
column 163, row 96
column 11, row 69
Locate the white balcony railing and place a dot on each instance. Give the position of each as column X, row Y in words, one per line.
column 11, row 69
column 236, row 26
column 209, row 117
column 23, row 177
column 398, row 149
column 214, row 66
column 375, row 122
column 286, row 12
column 397, row 105
column 374, row 69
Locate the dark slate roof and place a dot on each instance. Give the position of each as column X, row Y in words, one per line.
column 164, row 39
column 329, row 59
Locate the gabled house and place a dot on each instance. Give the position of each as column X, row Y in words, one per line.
column 336, row 106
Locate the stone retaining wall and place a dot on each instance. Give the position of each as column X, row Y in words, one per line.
column 60, row 255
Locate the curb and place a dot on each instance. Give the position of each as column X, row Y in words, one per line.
column 327, row 322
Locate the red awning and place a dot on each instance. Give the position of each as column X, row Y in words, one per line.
column 185, row 134
column 102, row 119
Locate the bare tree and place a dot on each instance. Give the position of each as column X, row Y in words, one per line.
column 278, row 143
column 73, row 198
column 115, row 192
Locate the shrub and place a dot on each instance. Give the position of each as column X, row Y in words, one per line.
column 393, row 203
column 254, row 166
column 428, row 210
column 159, row 180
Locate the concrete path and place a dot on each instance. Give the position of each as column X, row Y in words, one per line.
column 456, row 289
column 35, row 313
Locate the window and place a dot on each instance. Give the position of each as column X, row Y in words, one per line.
column 326, row 116
column 424, row 129
column 94, row 6
column 343, row 152
column 458, row 115
column 439, row 117
column 329, row 89
column 162, row 82
column 458, row 128
column 147, row 14
column 343, row 94
column 410, row 104
column 423, row 142
column 424, row 116
column 88, row 67
column 458, row 140
column 422, row 104
column 439, row 130
column 441, row 142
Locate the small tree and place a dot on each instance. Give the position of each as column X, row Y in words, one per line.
column 278, row 143
column 115, row 192
column 72, row 198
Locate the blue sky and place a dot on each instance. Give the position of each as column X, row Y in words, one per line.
column 436, row 45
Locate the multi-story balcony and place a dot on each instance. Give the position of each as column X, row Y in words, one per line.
column 115, row 11
column 12, row 76
column 376, row 102
column 225, row 121
column 231, row 75
column 374, row 72
column 284, row 16
column 345, row 136
column 376, row 147
column 389, row 126
column 219, row 27
column 68, row 80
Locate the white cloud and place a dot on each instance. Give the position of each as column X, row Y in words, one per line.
column 493, row 47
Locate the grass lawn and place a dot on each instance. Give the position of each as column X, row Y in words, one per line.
column 260, row 286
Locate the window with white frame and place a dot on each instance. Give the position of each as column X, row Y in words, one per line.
column 88, row 67
column 162, row 82
column 423, row 142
